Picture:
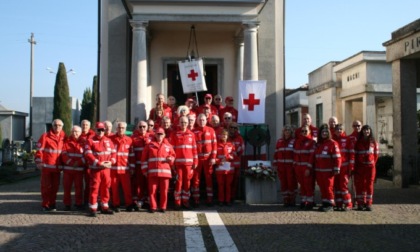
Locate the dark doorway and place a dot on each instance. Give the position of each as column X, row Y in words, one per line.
column 175, row 85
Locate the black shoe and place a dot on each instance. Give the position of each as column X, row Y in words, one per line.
column 117, row 209
column 177, row 207
column 229, row 204
column 52, row 208
column 129, row 208
column 187, row 206
column 327, row 209
column 220, row 203
column 209, row 204
column 162, row 210
column 302, row 205
column 309, row 206
column 45, row 209
column 107, row 211
column 360, row 208
column 92, row 214
column 67, row 208
column 79, row 207
column 151, row 210
column 196, row 204
column 369, row 208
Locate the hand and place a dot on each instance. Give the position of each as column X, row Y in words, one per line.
column 39, row 166
column 168, row 159
column 212, row 161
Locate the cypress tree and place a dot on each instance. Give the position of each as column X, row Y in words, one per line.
column 86, row 112
column 94, row 104
column 62, row 102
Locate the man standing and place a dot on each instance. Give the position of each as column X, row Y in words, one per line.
column 357, row 127
column 87, row 133
column 100, row 156
column 108, row 129
column 237, row 140
column 207, row 150
column 160, row 102
column 140, row 139
column 183, row 142
column 121, row 172
column 208, row 98
column 229, row 108
column 48, row 160
column 74, row 166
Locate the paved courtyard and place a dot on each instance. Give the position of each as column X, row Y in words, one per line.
column 394, row 225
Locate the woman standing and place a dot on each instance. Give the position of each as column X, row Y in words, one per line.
column 225, row 169
column 303, row 150
column 283, row 159
column 327, row 160
column 366, row 156
column 157, row 158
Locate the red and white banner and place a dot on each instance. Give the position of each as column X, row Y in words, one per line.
column 251, row 102
column 192, row 76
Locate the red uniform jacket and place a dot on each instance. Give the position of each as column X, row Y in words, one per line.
column 283, row 155
column 72, row 154
column 366, row 152
column 185, row 147
column 49, row 150
column 238, row 142
column 139, row 142
column 225, row 153
column 206, row 142
column 346, row 146
column 313, row 134
column 124, row 153
column 99, row 150
column 154, row 159
column 327, row 157
column 231, row 110
column 304, row 149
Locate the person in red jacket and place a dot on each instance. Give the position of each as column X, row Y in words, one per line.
column 307, row 121
column 357, row 127
column 218, row 103
column 100, row 155
column 341, row 180
column 366, row 155
column 73, row 166
column 327, row 162
column 140, row 139
column 332, row 122
column 87, row 133
column 225, row 170
column 206, row 149
column 183, row 141
column 208, row 98
column 303, row 150
column 157, row 158
column 237, row 140
column 229, row 108
column 283, row 159
column 48, row 160
column 121, row 171
column 160, row 103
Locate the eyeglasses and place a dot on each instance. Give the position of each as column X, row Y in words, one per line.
column 217, row 99
column 151, row 125
column 159, row 134
column 100, row 130
column 143, row 126
column 182, row 110
column 191, row 120
column 357, row 125
column 227, row 118
column 58, row 125
column 303, row 131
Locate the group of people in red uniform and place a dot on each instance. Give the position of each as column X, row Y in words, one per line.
column 99, row 162
column 328, row 157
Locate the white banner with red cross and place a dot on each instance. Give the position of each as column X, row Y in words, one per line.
column 251, row 102
column 192, row 77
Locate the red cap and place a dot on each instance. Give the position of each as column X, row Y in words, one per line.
column 189, row 100
column 229, row 98
column 160, row 131
column 100, row 125
column 208, row 95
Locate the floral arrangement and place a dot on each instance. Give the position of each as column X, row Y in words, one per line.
column 261, row 171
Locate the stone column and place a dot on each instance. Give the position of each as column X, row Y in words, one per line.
column 404, row 122
column 239, row 45
column 250, row 51
column 138, row 72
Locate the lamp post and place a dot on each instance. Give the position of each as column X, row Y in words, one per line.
column 50, row 70
column 32, row 42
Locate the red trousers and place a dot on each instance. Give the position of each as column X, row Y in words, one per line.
column 325, row 181
column 288, row 183
column 235, row 182
column 224, row 186
column 71, row 177
column 364, row 177
column 100, row 182
column 341, row 190
column 123, row 179
column 50, row 182
column 139, row 186
column 203, row 165
column 185, row 174
column 306, row 184
column 158, row 184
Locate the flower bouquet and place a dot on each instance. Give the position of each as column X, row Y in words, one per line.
column 261, row 170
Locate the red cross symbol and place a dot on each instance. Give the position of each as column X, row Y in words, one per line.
column 251, row 102
column 192, row 75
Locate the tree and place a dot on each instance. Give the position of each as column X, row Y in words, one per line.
column 94, row 106
column 86, row 112
column 62, row 102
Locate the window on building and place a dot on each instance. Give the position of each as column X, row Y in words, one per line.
column 319, row 119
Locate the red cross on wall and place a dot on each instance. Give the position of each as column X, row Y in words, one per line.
column 192, row 75
column 251, row 102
